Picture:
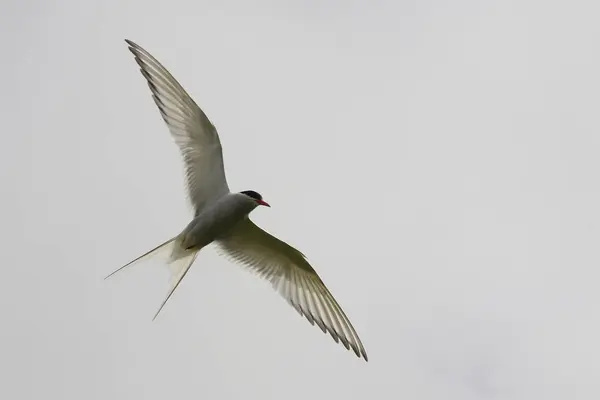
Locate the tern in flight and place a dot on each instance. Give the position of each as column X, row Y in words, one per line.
column 221, row 216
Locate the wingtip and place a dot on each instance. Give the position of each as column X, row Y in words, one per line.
column 132, row 46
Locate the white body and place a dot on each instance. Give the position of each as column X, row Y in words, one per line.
column 215, row 221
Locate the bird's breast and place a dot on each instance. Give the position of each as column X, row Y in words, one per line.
column 209, row 225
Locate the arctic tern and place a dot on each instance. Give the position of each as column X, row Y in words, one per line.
column 221, row 216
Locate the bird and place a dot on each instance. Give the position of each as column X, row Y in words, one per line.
column 221, row 217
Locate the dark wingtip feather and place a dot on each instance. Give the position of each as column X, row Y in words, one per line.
column 139, row 62
column 334, row 336
column 132, row 45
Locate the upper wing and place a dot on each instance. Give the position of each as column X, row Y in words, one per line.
column 195, row 135
column 293, row 277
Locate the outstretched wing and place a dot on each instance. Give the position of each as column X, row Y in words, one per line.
column 293, row 277
column 195, row 135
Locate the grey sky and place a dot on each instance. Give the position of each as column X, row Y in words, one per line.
column 436, row 161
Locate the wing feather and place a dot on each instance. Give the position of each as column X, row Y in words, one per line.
column 293, row 277
column 191, row 129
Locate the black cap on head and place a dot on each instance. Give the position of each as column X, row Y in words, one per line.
column 253, row 194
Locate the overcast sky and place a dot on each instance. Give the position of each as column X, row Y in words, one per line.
column 436, row 161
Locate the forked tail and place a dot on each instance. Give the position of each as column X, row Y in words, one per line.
column 162, row 248
column 179, row 262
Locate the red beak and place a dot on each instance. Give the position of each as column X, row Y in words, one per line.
column 263, row 203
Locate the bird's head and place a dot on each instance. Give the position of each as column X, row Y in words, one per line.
column 255, row 198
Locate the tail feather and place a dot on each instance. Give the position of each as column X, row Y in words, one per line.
column 146, row 256
column 178, row 267
column 179, row 261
